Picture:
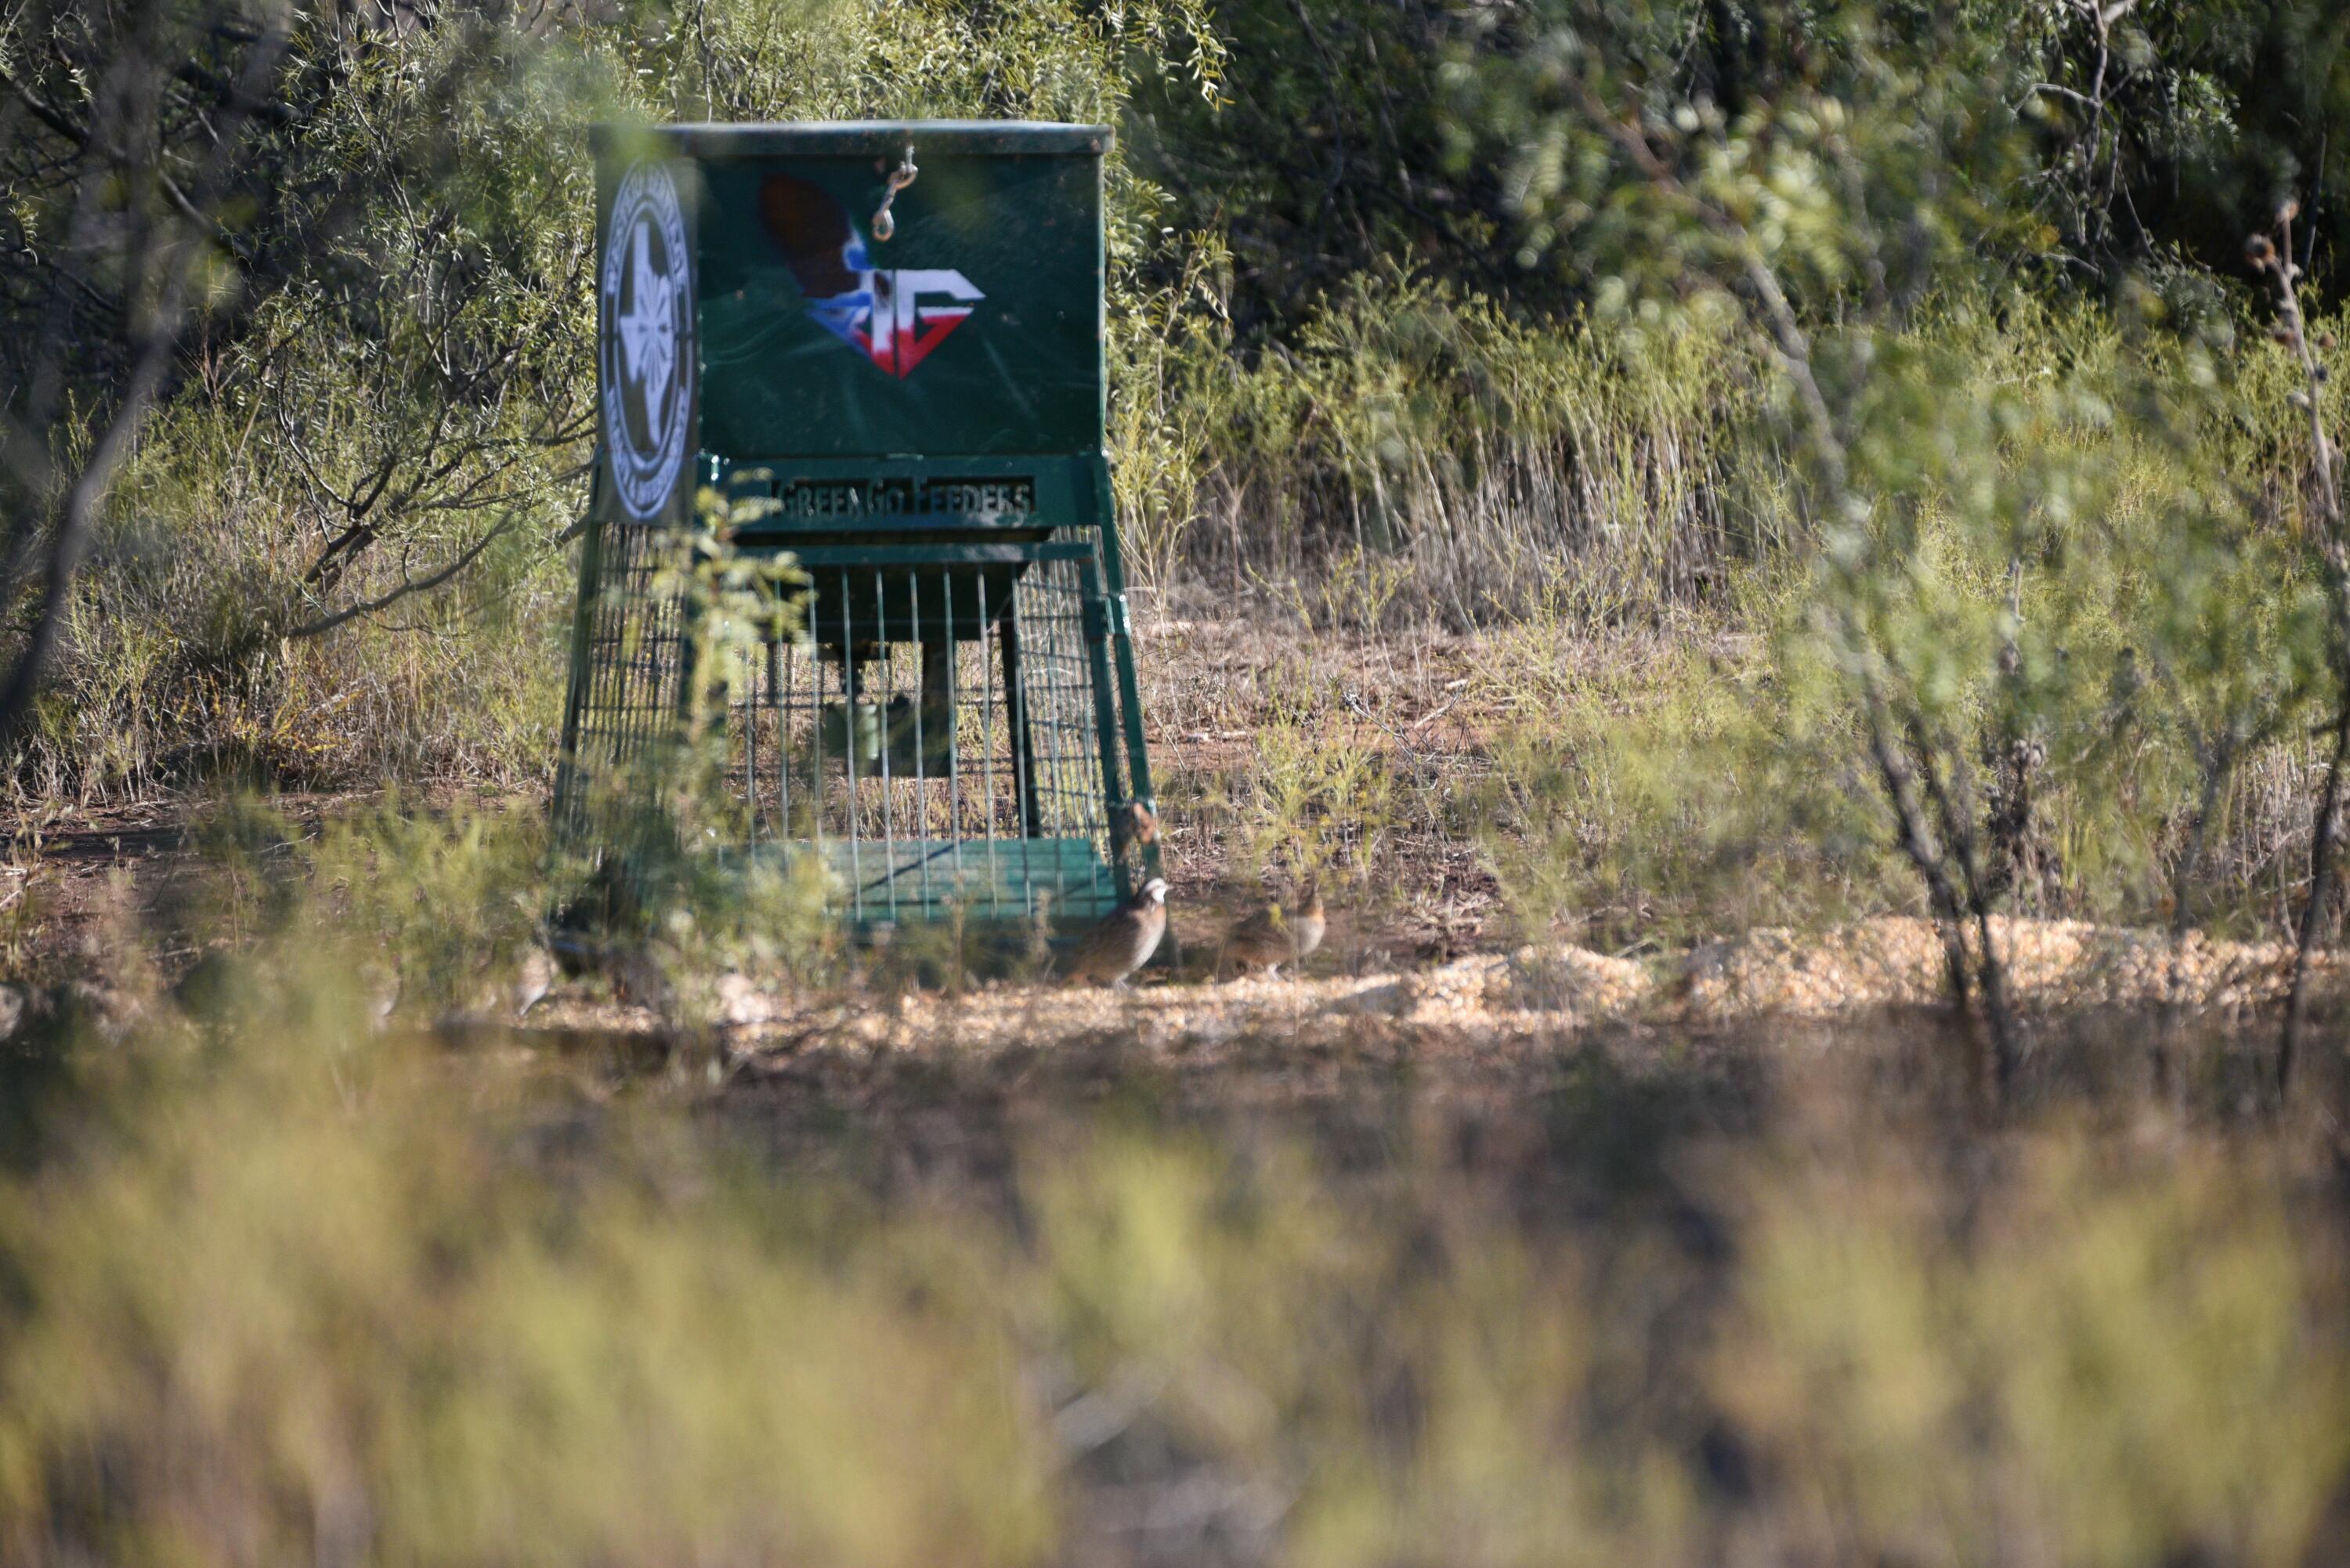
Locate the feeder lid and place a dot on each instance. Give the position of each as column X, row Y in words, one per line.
column 858, row 137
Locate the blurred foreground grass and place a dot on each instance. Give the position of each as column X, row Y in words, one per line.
column 277, row 1286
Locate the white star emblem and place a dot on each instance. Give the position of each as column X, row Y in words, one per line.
column 649, row 328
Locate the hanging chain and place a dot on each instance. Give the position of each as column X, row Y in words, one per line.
column 884, row 225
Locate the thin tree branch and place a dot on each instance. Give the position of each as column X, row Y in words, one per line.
column 70, row 542
column 2333, row 551
column 181, row 203
column 411, row 586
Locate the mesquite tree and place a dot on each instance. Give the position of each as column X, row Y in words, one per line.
column 1979, row 641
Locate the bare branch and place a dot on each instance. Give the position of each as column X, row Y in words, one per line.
column 181, row 203
column 2334, row 552
column 411, row 586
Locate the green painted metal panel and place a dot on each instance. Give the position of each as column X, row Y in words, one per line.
column 975, row 330
column 866, row 496
column 852, row 138
column 928, row 879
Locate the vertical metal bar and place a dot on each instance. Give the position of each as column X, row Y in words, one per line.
column 849, row 694
column 881, row 715
column 987, row 753
column 1105, row 708
column 938, row 708
column 1058, row 666
column 1010, row 644
column 921, row 750
column 1056, row 697
column 783, row 736
column 688, row 616
column 954, row 735
column 1130, row 693
column 752, row 811
column 815, row 751
column 1040, row 645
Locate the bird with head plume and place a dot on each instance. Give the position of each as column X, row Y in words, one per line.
column 1277, row 934
column 1124, row 940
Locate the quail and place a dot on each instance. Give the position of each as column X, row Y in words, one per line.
column 534, row 979
column 1124, row 940
column 382, row 983
column 1276, row 935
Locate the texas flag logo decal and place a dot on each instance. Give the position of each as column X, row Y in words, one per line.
column 894, row 317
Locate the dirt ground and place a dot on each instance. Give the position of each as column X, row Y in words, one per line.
column 1420, row 707
column 1493, row 998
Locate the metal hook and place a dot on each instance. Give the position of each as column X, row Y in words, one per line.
column 884, row 225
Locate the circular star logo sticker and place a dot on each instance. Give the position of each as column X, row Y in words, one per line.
column 646, row 297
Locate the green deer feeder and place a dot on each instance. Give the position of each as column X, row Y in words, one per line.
column 888, row 338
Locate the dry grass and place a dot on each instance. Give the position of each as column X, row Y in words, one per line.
column 1457, row 1248
column 1387, row 763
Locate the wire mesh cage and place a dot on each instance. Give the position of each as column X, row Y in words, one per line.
column 939, row 726
column 627, row 669
column 940, row 733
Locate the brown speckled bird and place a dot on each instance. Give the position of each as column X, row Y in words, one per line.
column 533, row 978
column 1124, row 940
column 1277, row 934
